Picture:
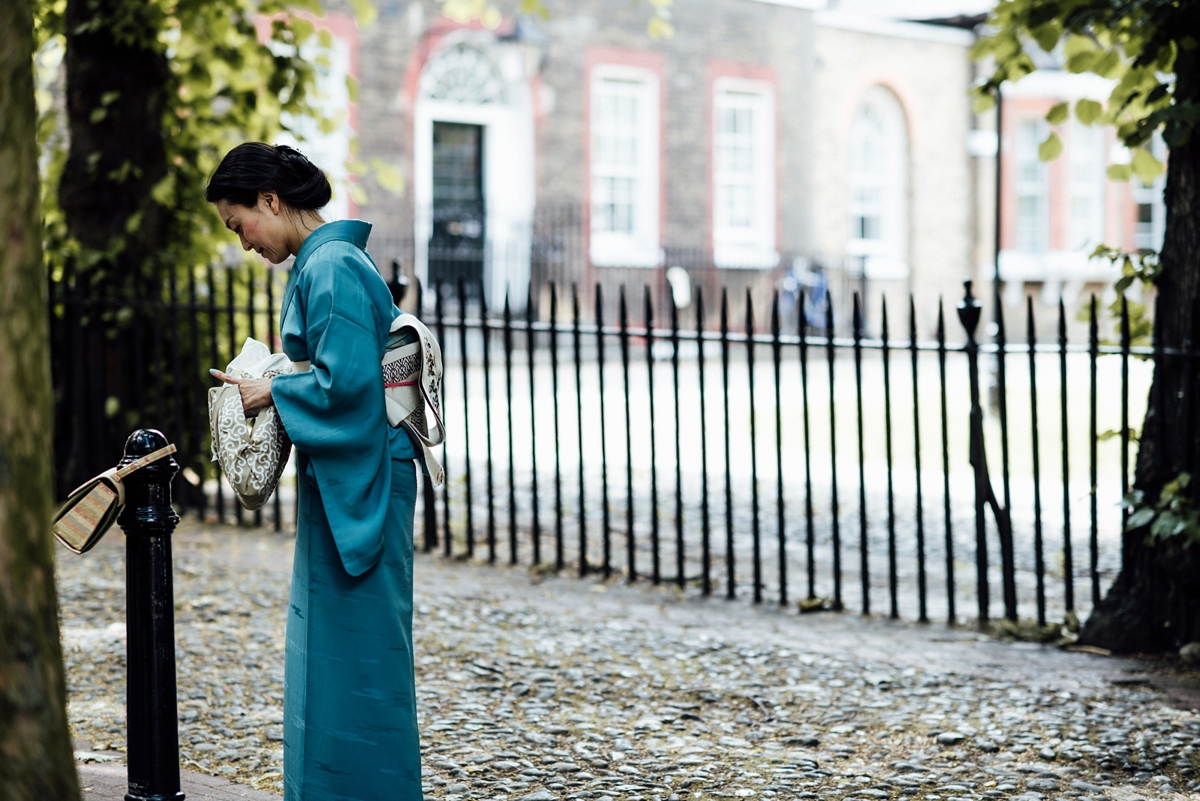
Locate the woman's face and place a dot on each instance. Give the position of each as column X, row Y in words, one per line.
column 263, row 228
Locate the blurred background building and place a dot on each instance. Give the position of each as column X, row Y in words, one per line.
column 769, row 145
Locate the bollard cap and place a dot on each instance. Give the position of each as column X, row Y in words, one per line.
column 148, row 490
column 141, row 443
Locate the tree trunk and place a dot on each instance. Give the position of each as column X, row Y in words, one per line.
column 35, row 746
column 1154, row 605
column 116, row 93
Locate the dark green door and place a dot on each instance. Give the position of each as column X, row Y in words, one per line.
column 456, row 244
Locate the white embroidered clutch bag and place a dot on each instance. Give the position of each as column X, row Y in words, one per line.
column 252, row 452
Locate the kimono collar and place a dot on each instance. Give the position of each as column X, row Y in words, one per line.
column 353, row 231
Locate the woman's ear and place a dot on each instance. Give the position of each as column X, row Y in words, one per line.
column 271, row 201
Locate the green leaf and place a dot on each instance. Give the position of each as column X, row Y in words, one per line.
column 1056, row 115
column 1088, row 111
column 365, row 12
column 163, row 192
column 359, row 195
column 1119, row 172
column 1140, row 518
column 389, row 177
column 982, row 101
column 1051, row 149
column 1145, row 166
column 352, row 86
column 98, row 114
column 1081, row 62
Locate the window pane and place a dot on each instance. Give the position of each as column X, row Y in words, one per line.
column 1031, row 187
column 1088, row 162
column 617, row 154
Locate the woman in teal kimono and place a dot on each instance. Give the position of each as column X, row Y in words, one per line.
column 350, row 725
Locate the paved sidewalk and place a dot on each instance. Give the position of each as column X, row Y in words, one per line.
column 107, row 782
column 543, row 688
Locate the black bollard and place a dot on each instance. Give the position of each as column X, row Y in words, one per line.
column 151, row 712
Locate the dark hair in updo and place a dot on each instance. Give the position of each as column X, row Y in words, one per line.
column 254, row 167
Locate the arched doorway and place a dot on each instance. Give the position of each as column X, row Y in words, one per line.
column 473, row 168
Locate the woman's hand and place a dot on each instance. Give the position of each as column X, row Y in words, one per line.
column 255, row 392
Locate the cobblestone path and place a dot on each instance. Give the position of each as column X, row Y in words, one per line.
column 538, row 688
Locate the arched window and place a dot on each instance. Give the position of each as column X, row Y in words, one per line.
column 462, row 73
column 878, row 184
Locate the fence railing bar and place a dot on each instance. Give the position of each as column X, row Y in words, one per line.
column 864, row 566
column 272, row 332
column 486, row 335
column 575, row 341
column 1093, row 438
column 947, row 517
column 1068, row 560
column 680, row 578
column 447, row 536
column 559, row 556
column 630, row 549
column 1007, row 555
column 730, row 563
column 231, row 329
column 464, row 363
column 251, row 332
column 215, row 359
column 922, row 588
column 513, row 549
column 809, row 528
column 968, row 315
column 836, row 543
column 1124, row 410
column 791, row 340
column 893, row 577
column 780, row 525
column 755, row 530
column 606, row 521
column 178, row 430
column 705, row 522
column 428, row 493
column 655, row 563
column 530, row 351
column 198, row 390
column 1038, row 545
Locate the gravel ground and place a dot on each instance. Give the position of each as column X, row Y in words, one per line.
column 538, row 687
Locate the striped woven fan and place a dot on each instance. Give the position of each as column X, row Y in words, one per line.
column 92, row 508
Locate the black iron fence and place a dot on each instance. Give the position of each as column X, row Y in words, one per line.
column 760, row 456
column 715, row 456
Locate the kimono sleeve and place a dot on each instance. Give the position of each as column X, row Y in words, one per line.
column 334, row 413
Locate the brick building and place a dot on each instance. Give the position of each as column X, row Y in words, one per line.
column 765, row 145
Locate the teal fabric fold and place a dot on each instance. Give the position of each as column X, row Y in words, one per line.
column 336, row 314
column 350, row 727
column 350, row 716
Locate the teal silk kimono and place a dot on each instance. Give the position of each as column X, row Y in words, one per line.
column 350, row 723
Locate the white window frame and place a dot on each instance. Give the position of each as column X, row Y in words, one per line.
column 1087, row 181
column 885, row 256
column 751, row 246
column 1149, row 235
column 640, row 247
column 328, row 150
column 1025, row 151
